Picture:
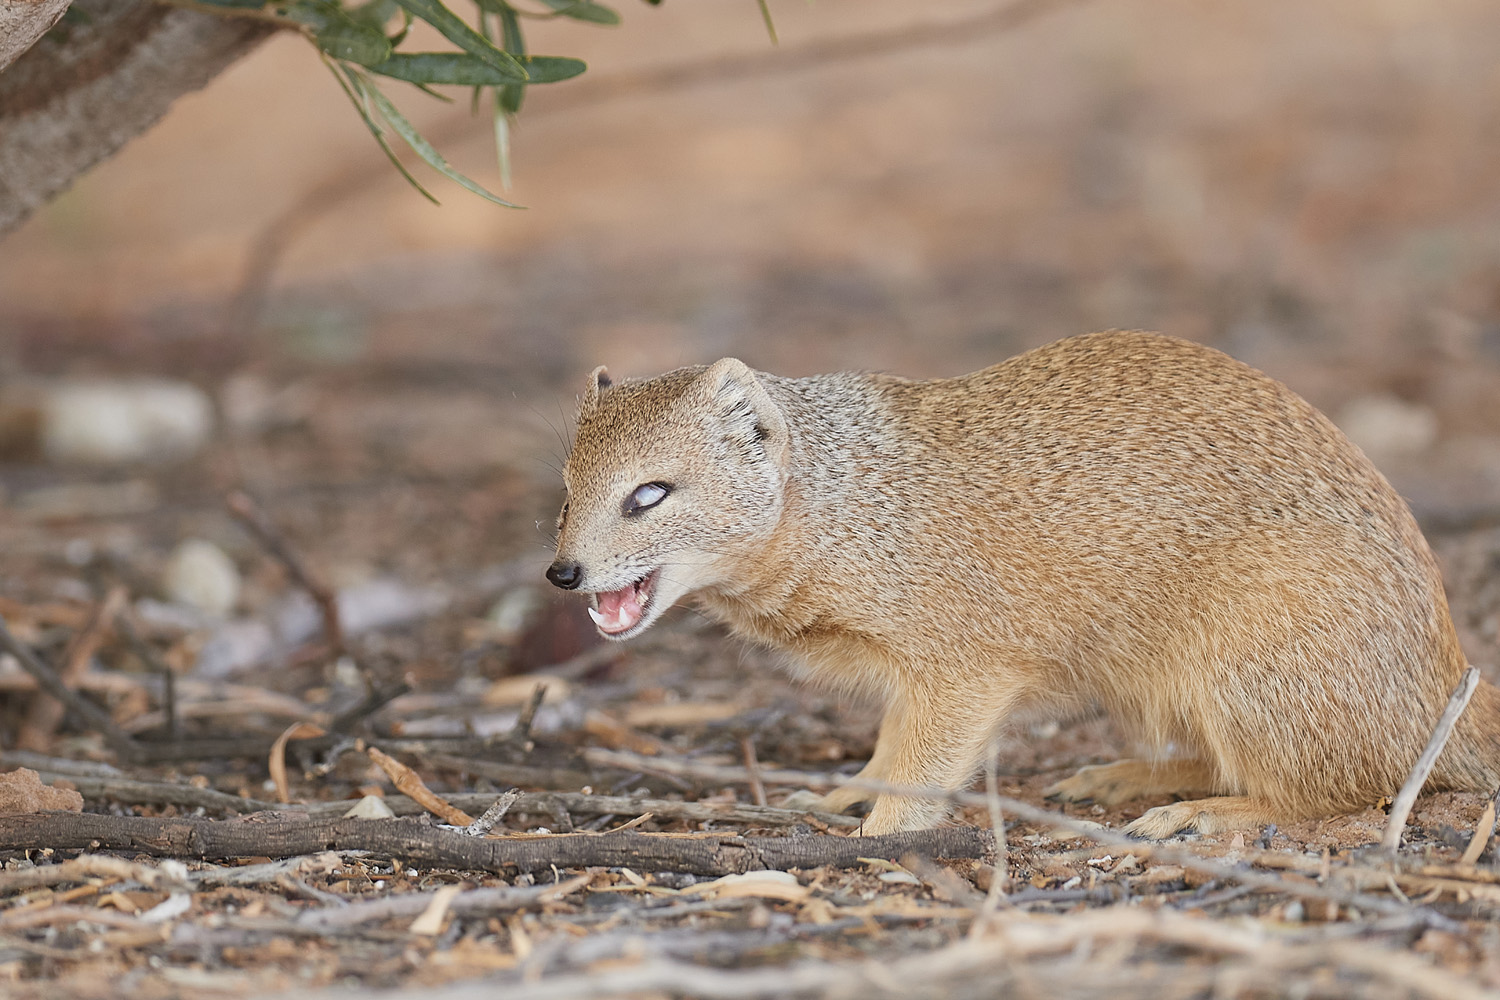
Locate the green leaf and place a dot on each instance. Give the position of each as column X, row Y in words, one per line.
column 765, row 13
column 551, row 69
column 424, row 149
column 339, row 34
column 437, row 68
column 354, row 42
column 354, row 89
column 584, row 10
column 508, row 99
column 453, row 28
column 375, row 13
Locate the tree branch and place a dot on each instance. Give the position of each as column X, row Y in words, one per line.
column 85, row 89
column 279, row 835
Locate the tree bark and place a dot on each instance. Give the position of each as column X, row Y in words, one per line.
column 104, row 75
column 22, row 22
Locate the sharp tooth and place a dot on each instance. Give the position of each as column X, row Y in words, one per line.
column 598, row 618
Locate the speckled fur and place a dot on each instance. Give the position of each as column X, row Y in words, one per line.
column 1120, row 519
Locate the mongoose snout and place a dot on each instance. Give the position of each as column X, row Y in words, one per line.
column 565, row 575
column 1119, row 519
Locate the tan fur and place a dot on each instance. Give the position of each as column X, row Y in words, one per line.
column 1119, row 519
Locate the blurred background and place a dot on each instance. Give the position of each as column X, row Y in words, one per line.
column 1311, row 185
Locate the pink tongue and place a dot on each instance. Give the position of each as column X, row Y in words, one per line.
column 618, row 610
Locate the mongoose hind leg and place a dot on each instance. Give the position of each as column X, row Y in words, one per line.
column 1212, row 815
column 1111, row 784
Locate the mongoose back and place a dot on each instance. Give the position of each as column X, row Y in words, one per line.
column 1121, row 520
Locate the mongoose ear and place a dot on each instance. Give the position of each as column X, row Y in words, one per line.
column 599, row 380
column 751, row 417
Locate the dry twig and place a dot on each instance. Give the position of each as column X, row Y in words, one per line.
column 409, row 783
column 46, row 713
column 262, row 530
column 91, row 714
column 1401, row 808
column 275, row 835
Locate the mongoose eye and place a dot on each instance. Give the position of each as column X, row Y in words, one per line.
column 646, row 496
column 562, row 516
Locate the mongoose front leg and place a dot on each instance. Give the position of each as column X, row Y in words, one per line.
column 841, row 799
column 1111, row 784
column 936, row 740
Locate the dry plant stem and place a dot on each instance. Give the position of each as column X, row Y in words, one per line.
column 470, row 902
column 268, row 247
column 493, row 815
column 522, row 729
column 91, row 714
column 372, row 703
column 126, row 791
column 420, row 843
column 1401, row 808
column 996, row 892
column 1048, row 817
column 409, row 783
column 1483, row 831
column 1077, row 955
column 247, row 513
column 46, row 712
column 752, row 766
column 81, row 869
column 125, row 622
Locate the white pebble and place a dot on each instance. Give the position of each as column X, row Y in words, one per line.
column 103, row 421
column 1385, row 427
column 201, row 576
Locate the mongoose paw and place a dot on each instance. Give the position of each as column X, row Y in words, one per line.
column 1213, row 815
column 892, row 814
column 1107, row 784
column 844, row 799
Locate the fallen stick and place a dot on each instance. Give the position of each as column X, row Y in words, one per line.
column 1483, row 831
column 125, row 622
column 260, row 527
column 46, row 713
column 469, row 902
column 411, row 784
column 1395, row 824
column 129, row 791
column 87, row 712
column 415, row 842
column 1048, row 818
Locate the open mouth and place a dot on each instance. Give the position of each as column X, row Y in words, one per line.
column 619, row 611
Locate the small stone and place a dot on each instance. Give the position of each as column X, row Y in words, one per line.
column 100, row 421
column 200, row 575
column 1387, row 427
column 370, row 807
column 22, row 791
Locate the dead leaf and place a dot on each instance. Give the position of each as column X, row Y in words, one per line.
column 430, row 922
column 277, row 762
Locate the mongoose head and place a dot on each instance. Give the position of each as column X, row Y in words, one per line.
column 670, row 480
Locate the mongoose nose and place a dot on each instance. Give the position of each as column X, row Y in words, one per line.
column 565, row 575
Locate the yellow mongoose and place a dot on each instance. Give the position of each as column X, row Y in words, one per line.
column 1118, row 519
